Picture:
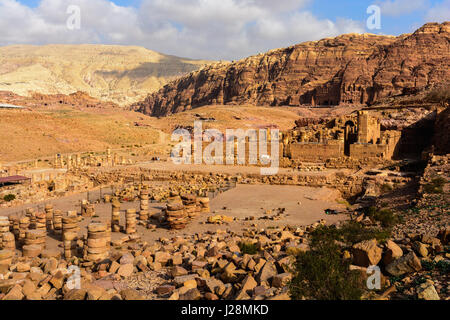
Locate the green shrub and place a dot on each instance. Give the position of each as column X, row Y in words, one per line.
column 428, row 265
column 386, row 188
column 435, row 186
column 350, row 232
column 396, row 279
column 443, row 266
column 418, row 281
column 386, row 217
column 9, row 197
column 322, row 274
column 440, row 95
column 248, row 248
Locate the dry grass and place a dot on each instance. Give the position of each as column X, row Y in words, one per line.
column 233, row 117
column 35, row 134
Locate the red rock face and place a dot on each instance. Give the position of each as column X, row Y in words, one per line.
column 76, row 99
column 349, row 69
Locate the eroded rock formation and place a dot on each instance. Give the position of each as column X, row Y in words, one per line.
column 36, row 100
column 349, row 69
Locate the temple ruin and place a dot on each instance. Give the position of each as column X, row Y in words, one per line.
column 356, row 136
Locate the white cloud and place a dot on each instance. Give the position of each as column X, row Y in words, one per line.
column 213, row 29
column 401, row 7
column 439, row 13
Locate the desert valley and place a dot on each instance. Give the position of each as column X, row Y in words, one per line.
column 88, row 182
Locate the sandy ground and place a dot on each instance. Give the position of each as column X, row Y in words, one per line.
column 302, row 206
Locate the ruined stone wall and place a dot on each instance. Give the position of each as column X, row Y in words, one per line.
column 250, row 145
column 369, row 129
column 361, row 150
column 316, row 151
column 391, row 139
column 385, row 150
column 352, row 163
column 348, row 185
column 356, row 137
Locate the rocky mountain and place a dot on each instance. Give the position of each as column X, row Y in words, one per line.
column 349, row 69
column 122, row 74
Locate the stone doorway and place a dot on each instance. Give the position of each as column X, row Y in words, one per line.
column 351, row 136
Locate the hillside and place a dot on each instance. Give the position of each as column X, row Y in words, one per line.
column 77, row 123
column 120, row 74
column 31, row 134
column 348, row 69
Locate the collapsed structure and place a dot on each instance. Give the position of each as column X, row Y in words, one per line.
column 357, row 136
column 109, row 160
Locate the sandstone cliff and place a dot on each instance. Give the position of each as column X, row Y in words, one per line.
column 349, row 69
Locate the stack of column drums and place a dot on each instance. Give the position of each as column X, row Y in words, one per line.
column 24, row 225
column 41, row 221
column 70, row 230
column 31, row 250
column 175, row 214
column 190, row 205
column 203, row 204
column 31, row 214
column 57, row 223
column 49, row 216
column 143, row 213
column 6, row 257
column 87, row 209
column 131, row 221
column 7, row 240
column 4, row 225
column 115, row 215
column 108, row 233
column 72, row 222
column 97, row 246
column 70, row 244
column 14, row 223
column 35, row 238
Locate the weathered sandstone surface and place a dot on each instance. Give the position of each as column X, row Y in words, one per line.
column 349, row 69
column 77, row 99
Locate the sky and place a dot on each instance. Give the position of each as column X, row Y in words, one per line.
column 208, row 29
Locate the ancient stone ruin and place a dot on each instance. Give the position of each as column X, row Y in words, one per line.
column 358, row 137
